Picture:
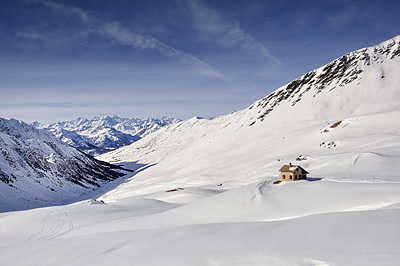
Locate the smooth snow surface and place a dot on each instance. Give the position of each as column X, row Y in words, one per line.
column 326, row 223
column 204, row 193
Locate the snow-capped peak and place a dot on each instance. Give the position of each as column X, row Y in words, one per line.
column 347, row 69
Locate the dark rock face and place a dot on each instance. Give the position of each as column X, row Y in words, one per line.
column 340, row 72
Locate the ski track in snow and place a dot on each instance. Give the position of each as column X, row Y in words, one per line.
column 56, row 223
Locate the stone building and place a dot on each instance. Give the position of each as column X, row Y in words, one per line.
column 290, row 172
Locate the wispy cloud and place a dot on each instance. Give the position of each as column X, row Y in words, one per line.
column 211, row 25
column 123, row 35
column 29, row 35
column 66, row 9
column 343, row 16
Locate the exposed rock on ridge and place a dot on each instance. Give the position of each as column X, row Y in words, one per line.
column 342, row 71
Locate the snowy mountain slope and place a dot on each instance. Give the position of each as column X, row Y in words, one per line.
column 101, row 134
column 341, row 118
column 36, row 169
column 205, row 194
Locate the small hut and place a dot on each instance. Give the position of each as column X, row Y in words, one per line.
column 290, row 172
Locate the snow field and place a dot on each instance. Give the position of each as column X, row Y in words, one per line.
column 299, row 223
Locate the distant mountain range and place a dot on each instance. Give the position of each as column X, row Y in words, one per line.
column 101, row 134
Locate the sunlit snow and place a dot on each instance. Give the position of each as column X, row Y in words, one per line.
column 203, row 192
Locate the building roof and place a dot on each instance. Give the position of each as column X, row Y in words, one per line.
column 291, row 168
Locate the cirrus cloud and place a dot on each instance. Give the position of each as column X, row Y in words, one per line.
column 65, row 9
column 212, row 26
column 146, row 42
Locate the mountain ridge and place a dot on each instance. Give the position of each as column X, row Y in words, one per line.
column 343, row 70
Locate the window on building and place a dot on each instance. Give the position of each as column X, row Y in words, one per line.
column 290, row 177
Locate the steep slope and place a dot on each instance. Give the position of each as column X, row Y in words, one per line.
column 101, row 134
column 339, row 121
column 36, row 169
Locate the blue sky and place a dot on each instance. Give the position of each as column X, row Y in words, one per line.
column 60, row 59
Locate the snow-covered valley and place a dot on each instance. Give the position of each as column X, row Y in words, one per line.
column 203, row 192
column 38, row 170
